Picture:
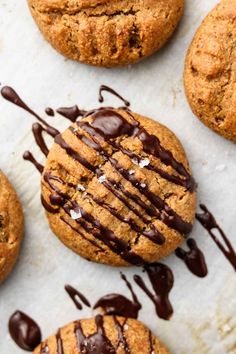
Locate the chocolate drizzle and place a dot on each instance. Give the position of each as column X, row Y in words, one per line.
column 96, row 343
column 38, row 135
column 119, row 305
column 162, row 280
column 24, row 331
column 50, row 112
column 10, row 95
column 71, row 113
column 194, row 258
column 74, row 295
column 60, row 349
column 122, row 340
column 38, row 128
column 208, row 221
column 28, row 156
column 113, row 92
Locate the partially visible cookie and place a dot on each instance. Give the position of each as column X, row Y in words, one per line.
column 11, row 227
column 107, row 33
column 118, row 189
column 103, row 335
column 210, row 70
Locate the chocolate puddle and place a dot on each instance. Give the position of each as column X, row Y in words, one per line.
column 24, row 331
column 119, row 305
column 162, row 281
column 194, row 258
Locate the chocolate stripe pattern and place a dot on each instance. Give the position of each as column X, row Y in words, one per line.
column 107, row 126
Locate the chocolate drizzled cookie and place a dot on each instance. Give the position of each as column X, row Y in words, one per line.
column 107, row 335
column 117, row 188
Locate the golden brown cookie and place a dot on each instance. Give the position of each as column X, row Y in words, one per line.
column 11, row 227
column 106, row 335
column 210, row 70
column 107, row 33
column 118, row 189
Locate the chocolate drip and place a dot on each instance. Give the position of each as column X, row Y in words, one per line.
column 24, row 331
column 71, row 113
column 122, row 340
column 162, row 280
column 74, row 295
column 38, row 135
column 113, row 92
column 151, row 347
column 60, row 349
column 10, row 95
column 194, row 258
column 208, row 221
column 28, row 156
column 119, row 305
column 50, row 112
column 96, row 343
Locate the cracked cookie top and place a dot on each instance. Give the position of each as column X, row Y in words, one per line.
column 106, row 335
column 210, row 70
column 107, row 33
column 118, row 189
column 11, row 227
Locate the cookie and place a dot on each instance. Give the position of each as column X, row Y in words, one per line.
column 210, row 70
column 107, row 335
column 11, row 227
column 117, row 188
column 107, row 33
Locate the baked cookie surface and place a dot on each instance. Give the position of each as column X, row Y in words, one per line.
column 107, row 32
column 117, row 188
column 210, row 70
column 107, row 335
column 11, row 227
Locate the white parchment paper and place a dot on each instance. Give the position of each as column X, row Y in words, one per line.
column 204, row 320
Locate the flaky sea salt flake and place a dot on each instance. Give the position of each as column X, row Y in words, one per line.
column 143, row 163
column 80, row 188
column 75, row 214
column 102, row 179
